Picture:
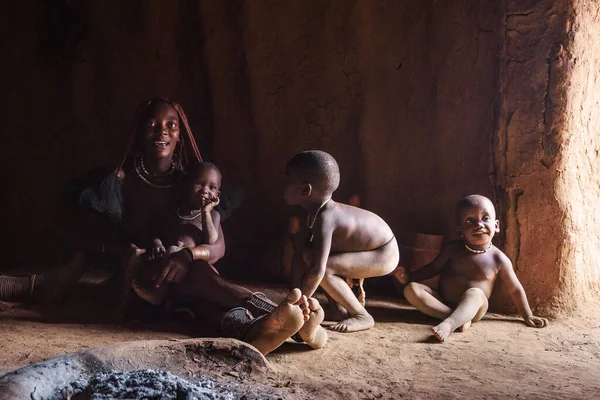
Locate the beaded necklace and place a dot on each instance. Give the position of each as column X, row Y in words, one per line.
column 162, row 181
column 472, row 250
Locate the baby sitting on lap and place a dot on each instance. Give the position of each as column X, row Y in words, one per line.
column 195, row 223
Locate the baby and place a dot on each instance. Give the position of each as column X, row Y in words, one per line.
column 468, row 270
column 195, row 223
column 344, row 241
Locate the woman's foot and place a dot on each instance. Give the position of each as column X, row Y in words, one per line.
column 269, row 332
column 312, row 332
column 357, row 323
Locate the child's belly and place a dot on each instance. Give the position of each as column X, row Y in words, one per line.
column 452, row 287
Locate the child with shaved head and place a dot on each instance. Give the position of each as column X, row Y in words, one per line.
column 344, row 241
column 468, row 270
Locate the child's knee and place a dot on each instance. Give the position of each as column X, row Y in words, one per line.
column 476, row 293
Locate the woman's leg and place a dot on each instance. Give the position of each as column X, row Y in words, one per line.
column 203, row 282
column 46, row 286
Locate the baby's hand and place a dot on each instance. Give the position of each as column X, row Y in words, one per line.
column 536, row 322
column 157, row 251
column 175, row 249
column 402, row 275
column 210, row 203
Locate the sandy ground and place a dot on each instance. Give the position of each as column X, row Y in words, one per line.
column 498, row 357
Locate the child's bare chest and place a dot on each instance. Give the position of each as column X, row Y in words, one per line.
column 474, row 267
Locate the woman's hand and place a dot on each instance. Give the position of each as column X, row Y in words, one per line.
column 131, row 255
column 175, row 268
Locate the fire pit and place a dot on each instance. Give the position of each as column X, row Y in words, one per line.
column 155, row 369
column 145, row 384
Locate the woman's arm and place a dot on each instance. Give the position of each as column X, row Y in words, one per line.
column 178, row 264
column 210, row 253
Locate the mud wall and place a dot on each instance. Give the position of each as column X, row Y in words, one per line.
column 546, row 158
column 401, row 93
column 578, row 178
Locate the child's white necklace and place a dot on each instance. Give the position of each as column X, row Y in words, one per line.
column 477, row 251
column 189, row 217
column 310, row 222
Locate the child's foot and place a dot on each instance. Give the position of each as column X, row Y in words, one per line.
column 273, row 329
column 335, row 312
column 49, row 286
column 357, row 323
column 362, row 295
column 312, row 332
column 402, row 275
column 442, row 331
column 464, row 327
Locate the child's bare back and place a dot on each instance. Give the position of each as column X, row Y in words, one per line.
column 354, row 229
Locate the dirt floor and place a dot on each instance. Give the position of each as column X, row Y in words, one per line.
column 498, row 357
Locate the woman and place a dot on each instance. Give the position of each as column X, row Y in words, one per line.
column 144, row 188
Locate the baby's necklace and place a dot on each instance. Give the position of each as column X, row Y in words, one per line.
column 477, row 251
column 312, row 223
column 308, row 220
column 189, row 217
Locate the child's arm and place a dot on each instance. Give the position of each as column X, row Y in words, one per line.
column 323, row 232
column 211, row 221
column 517, row 294
column 433, row 268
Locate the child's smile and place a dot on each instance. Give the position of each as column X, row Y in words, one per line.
column 478, row 224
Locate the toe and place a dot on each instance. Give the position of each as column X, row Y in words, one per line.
column 313, row 304
column 436, row 333
column 294, row 296
column 339, row 328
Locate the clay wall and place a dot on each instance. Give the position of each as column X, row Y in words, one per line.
column 578, row 170
column 546, row 151
column 401, row 93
